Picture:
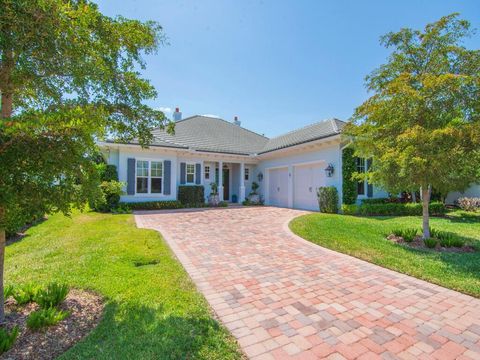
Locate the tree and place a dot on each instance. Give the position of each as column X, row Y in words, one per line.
column 422, row 124
column 68, row 77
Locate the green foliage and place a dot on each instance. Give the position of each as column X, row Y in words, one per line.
column 407, row 234
column 153, row 205
column 328, row 199
column 52, row 296
column 380, row 201
column 214, row 188
column 17, row 217
column 430, row 242
column 255, row 187
column 45, row 317
column 23, row 294
column 423, row 117
column 107, row 172
column 350, row 209
column 8, row 291
column 451, row 240
column 398, row 209
column 191, row 195
column 108, row 198
column 248, row 202
column 7, row 338
column 349, row 183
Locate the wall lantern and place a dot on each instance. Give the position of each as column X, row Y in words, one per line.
column 260, row 176
column 329, row 170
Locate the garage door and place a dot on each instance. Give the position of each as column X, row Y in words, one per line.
column 307, row 179
column 278, row 187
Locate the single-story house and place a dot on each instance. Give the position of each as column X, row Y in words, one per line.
column 288, row 168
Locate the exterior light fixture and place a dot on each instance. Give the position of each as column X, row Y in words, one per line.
column 260, row 176
column 329, row 170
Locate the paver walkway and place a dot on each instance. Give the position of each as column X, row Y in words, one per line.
column 283, row 297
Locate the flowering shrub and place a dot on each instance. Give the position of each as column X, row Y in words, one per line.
column 469, row 204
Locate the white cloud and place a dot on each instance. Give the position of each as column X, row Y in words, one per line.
column 212, row 116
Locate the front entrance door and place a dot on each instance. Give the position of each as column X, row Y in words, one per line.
column 226, row 184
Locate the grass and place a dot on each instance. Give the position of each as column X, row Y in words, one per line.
column 153, row 310
column 364, row 238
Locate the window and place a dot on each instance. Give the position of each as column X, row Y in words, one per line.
column 156, row 175
column 190, row 173
column 142, row 177
column 361, row 169
column 247, row 174
column 207, row 172
column 149, row 177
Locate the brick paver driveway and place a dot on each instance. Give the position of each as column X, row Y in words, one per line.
column 284, row 297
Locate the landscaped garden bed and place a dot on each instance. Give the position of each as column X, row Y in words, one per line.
column 73, row 319
column 438, row 242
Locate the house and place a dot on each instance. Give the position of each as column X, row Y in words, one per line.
column 288, row 168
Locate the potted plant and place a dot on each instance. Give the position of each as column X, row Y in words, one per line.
column 213, row 198
column 254, row 197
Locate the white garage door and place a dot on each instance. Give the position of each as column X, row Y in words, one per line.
column 278, row 187
column 307, row 179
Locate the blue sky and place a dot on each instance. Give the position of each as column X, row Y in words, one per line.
column 278, row 65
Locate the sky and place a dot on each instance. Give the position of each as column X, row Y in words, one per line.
column 277, row 65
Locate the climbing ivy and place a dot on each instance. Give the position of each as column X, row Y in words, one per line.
column 349, row 184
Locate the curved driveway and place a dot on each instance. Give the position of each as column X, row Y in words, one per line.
column 283, row 297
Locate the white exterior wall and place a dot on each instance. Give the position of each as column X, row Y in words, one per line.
column 146, row 154
column 472, row 191
column 330, row 154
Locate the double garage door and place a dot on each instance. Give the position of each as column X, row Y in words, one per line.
column 306, row 180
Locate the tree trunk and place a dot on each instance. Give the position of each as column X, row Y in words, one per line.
column 426, row 216
column 2, row 259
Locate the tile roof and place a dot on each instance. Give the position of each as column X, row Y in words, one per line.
column 204, row 133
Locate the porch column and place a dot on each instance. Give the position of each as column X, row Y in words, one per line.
column 241, row 196
column 220, row 180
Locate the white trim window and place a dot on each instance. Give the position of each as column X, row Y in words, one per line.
column 247, row 174
column 190, row 174
column 207, row 172
column 149, row 177
column 361, row 168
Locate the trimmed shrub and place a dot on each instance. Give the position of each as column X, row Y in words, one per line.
column 26, row 293
column 109, row 196
column 469, row 204
column 153, row 205
column 17, row 217
column 191, row 195
column 328, row 199
column 52, row 296
column 45, row 317
column 349, row 193
column 448, row 239
column 7, row 338
column 399, row 209
column 430, row 243
column 349, row 209
column 107, row 172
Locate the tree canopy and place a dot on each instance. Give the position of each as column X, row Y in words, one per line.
column 422, row 123
column 69, row 76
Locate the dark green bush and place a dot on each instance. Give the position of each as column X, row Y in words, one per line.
column 191, row 195
column 398, row 209
column 23, row 294
column 380, row 201
column 108, row 197
column 430, row 243
column 16, row 218
column 448, row 239
column 328, row 199
column 7, row 338
column 52, row 295
column 107, row 172
column 153, row 205
column 349, row 193
column 407, row 234
column 45, row 317
column 350, row 209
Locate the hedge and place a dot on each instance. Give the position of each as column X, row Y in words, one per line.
column 393, row 209
column 328, row 199
column 191, row 195
column 153, row 205
column 349, row 192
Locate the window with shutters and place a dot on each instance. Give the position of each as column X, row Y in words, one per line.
column 361, row 168
column 149, row 177
column 190, row 173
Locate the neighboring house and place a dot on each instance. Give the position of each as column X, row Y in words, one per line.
column 289, row 168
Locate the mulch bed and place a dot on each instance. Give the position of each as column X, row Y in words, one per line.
column 418, row 243
column 85, row 309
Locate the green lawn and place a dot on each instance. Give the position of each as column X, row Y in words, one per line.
column 364, row 238
column 152, row 311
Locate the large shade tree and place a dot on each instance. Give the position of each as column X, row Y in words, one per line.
column 421, row 126
column 69, row 76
